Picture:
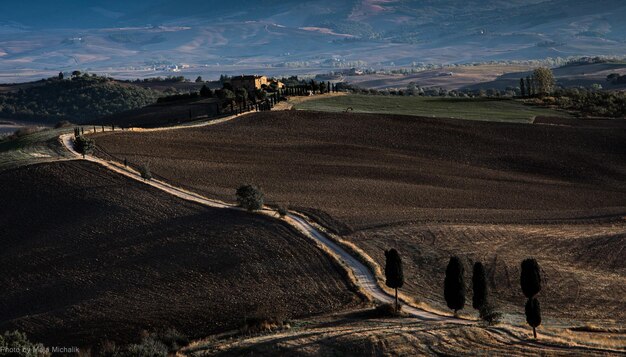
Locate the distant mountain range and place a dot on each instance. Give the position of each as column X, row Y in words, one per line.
column 138, row 38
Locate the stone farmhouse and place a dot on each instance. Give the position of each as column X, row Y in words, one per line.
column 252, row 83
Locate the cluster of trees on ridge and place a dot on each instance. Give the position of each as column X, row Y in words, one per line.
column 79, row 98
column 240, row 99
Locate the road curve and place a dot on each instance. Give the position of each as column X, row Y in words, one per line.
column 365, row 278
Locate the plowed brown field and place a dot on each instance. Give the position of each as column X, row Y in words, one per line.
column 88, row 255
column 496, row 192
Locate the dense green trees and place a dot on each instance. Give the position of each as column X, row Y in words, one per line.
column 454, row 284
column 543, row 81
column 79, row 100
column 84, row 145
column 241, row 95
column 589, row 102
column 394, row 276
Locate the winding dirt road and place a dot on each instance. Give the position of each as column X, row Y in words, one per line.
column 363, row 275
column 365, row 278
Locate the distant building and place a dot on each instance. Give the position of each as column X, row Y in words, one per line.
column 252, row 83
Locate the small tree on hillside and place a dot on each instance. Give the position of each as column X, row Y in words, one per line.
column 394, row 276
column 241, row 95
column 479, row 286
column 84, row 145
column 529, row 87
column 61, row 76
column 282, row 211
column 227, row 96
column 530, row 278
column 250, row 197
column 199, row 79
column 206, row 92
column 454, row 285
column 543, row 80
column 145, row 172
column 533, row 314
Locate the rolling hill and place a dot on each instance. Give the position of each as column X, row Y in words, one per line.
column 208, row 37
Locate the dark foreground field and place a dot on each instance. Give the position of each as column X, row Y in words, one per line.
column 494, row 192
column 87, row 255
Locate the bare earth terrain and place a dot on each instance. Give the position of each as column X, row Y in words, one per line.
column 361, row 334
column 88, row 255
column 430, row 187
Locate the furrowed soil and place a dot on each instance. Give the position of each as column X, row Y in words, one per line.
column 87, row 255
column 495, row 192
column 357, row 334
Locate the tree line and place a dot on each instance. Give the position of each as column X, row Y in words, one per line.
column 454, row 287
column 78, row 98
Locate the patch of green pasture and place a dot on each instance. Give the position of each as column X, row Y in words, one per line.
column 42, row 146
column 486, row 109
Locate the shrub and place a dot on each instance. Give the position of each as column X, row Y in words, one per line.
column 16, row 344
column 250, row 197
column 173, row 339
column 62, row 124
column 489, row 314
column 388, row 310
column 27, row 130
column 149, row 347
column 145, row 173
column 282, row 211
column 253, row 325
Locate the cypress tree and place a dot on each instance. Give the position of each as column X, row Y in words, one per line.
column 529, row 87
column 205, row 92
column 454, row 285
column 393, row 271
column 530, row 278
column 522, row 87
column 479, row 286
column 533, row 314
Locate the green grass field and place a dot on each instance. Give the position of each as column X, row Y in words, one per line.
column 42, row 146
column 504, row 110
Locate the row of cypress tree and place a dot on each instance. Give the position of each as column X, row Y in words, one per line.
column 454, row 287
column 454, row 290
